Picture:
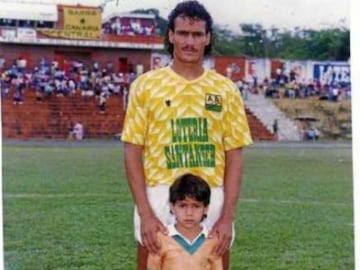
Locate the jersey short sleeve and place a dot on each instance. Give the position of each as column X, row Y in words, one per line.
column 235, row 124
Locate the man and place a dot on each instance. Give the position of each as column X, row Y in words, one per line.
column 184, row 119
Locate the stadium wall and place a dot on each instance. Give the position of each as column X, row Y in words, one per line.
column 243, row 68
column 120, row 58
column 304, row 70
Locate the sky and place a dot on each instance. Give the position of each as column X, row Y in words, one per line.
column 314, row 14
column 280, row 13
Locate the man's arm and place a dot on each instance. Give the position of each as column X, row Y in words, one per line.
column 136, row 179
column 232, row 186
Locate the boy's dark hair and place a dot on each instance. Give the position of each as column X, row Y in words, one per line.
column 192, row 186
column 195, row 11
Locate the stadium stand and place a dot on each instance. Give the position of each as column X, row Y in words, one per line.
column 50, row 119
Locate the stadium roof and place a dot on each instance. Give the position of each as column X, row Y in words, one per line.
column 28, row 11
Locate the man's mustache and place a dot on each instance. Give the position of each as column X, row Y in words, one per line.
column 189, row 49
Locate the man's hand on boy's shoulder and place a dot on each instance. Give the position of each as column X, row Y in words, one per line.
column 222, row 229
column 150, row 226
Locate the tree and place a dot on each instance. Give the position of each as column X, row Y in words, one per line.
column 329, row 44
column 256, row 41
column 297, row 44
column 225, row 42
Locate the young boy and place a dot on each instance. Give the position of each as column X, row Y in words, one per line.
column 187, row 246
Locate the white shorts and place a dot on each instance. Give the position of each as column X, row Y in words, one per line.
column 159, row 200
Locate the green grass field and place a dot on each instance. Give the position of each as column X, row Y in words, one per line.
column 69, row 207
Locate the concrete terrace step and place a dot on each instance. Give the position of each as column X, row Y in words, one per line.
column 267, row 112
column 52, row 117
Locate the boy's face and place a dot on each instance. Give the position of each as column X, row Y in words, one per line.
column 189, row 39
column 188, row 212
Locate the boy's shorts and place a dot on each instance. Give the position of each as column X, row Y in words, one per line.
column 159, row 200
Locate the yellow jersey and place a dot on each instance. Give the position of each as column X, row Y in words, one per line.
column 185, row 126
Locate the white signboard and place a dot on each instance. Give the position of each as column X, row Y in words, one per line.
column 26, row 34
column 7, row 34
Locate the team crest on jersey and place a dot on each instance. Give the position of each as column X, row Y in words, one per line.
column 213, row 102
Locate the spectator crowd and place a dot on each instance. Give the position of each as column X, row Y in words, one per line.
column 47, row 79
column 119, row 26
column 283, row 86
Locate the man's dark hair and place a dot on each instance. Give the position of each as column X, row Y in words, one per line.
column 193, row 10
column 191, row 186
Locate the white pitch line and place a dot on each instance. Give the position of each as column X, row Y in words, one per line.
column 249, row 200
column 246, row 200
column 55, row 195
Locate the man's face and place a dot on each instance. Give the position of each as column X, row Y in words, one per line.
column 189, row 39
